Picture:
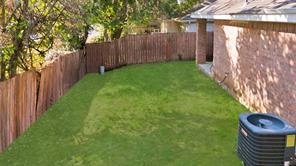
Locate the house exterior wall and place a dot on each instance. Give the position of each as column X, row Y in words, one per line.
column 201, row 45
column 210, row 27
column 170, row 26
column 206, row 33
column 190, row 27
column 193, row 27
column 260, row 61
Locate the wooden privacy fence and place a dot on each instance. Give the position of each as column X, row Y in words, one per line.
column 58, row 77
column 24, row 98
column 137, row 49
column 17, row 106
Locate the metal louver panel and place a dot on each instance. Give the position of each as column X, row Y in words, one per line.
column 266, row 149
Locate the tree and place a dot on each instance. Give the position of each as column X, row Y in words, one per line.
column 76, row 23
column 112, row 15
column 28, row 27
column 116, row 15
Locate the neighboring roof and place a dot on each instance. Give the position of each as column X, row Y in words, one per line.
column 254, row 10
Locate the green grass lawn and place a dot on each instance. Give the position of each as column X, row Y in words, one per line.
column 154, row 114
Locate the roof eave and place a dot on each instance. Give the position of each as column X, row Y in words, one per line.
column 284, row 18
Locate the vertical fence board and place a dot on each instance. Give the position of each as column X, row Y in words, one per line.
column 17, row 106
column 57, row 78
column 24, row 98
column 137, row 49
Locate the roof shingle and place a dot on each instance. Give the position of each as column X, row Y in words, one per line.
column 222, row 7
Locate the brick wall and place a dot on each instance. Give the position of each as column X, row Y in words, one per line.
column 210, row 36
column 201, row 44
column 261, row 60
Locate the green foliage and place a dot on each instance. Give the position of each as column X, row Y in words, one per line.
column 76, row 23
column 171, row 9
column 30, row 28
column 116, row 16
column 112, row 15
column 154, row 114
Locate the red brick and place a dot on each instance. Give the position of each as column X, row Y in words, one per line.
column 262, row 64
column 201, row 44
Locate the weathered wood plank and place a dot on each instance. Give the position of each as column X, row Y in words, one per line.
column 137, row 49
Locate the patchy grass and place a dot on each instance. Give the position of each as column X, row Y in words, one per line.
column 154, row 114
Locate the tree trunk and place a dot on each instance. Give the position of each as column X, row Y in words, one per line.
column 3, row 14
column 2, row 68
column 18, row 43
column 106, row 36
column 116, row 34
column 2, row 61
column 85, row 36
column 13, row 62
column 12, row 65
